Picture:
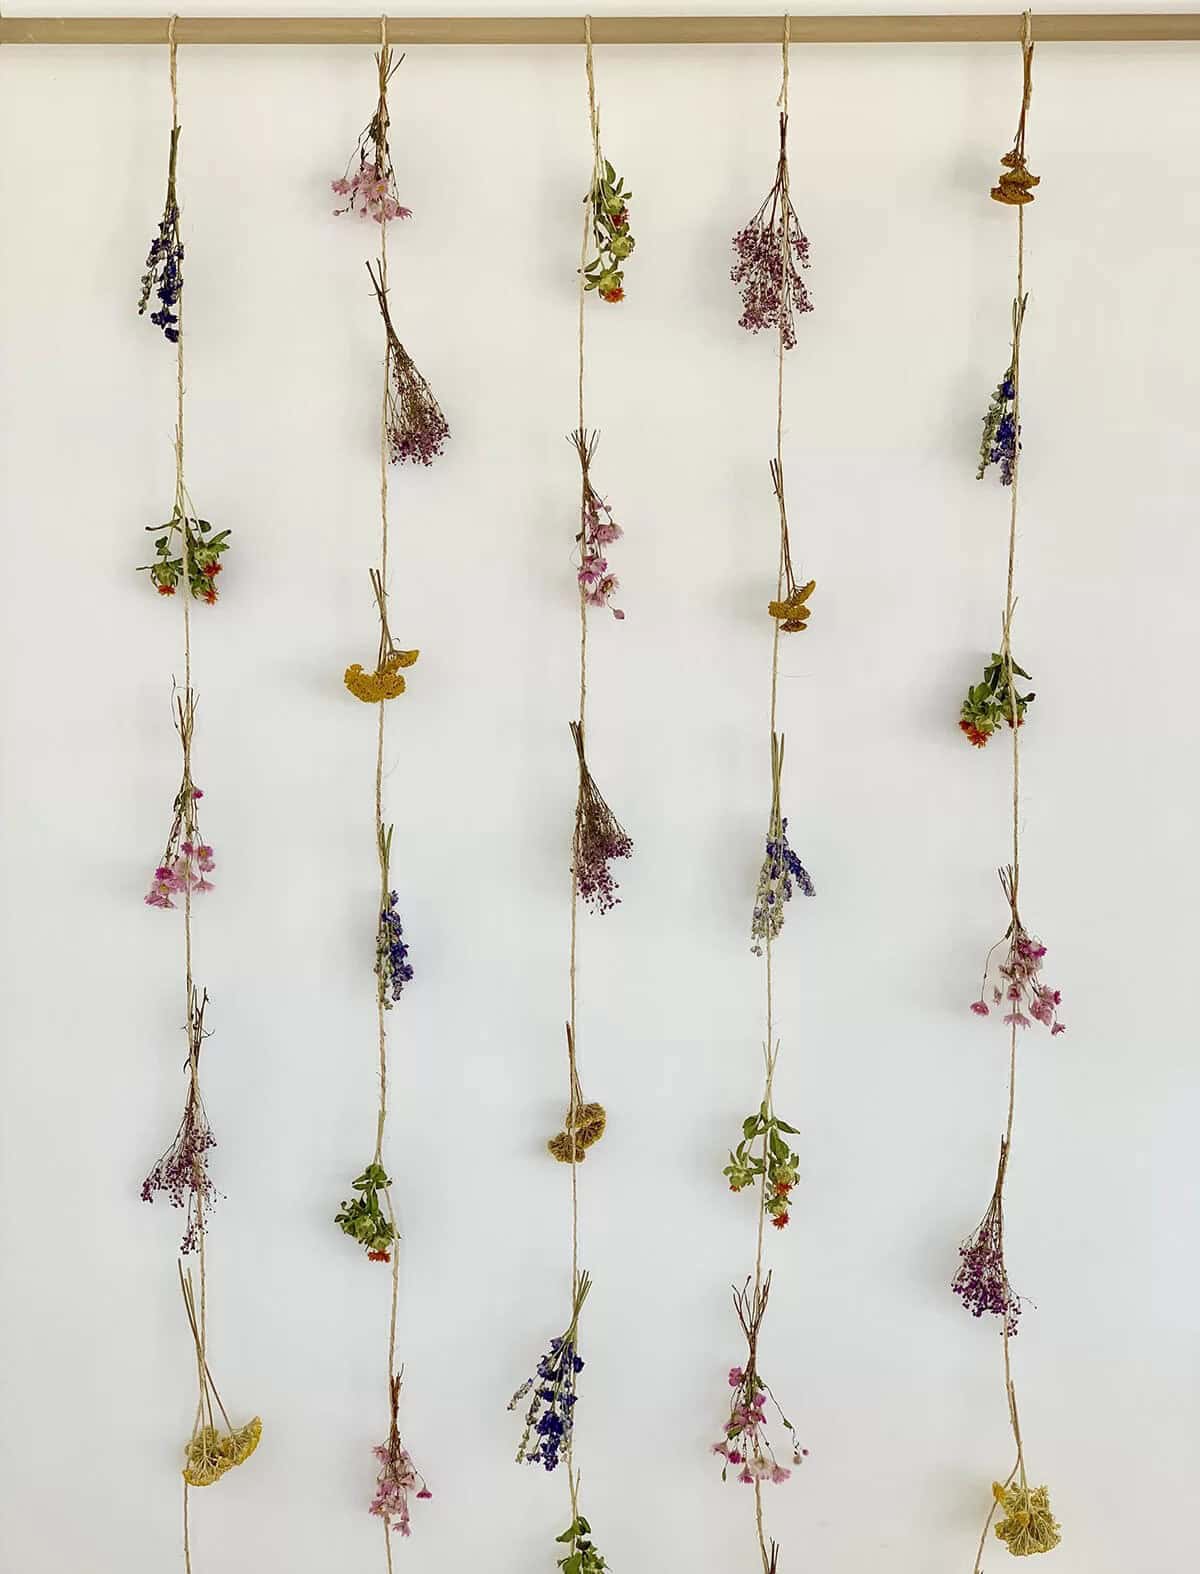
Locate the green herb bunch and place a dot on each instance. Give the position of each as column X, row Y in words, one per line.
column 762, row 1154
column 204, row 551
column 363, row 1220
column 609, row 202
column 583, row 1558
column 991, row 703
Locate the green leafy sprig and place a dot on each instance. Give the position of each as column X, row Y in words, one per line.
column 611, row 238
column 990, row 704
column 204, row 551
column 363, row 1220
column 583, row 1557
column 763, row 1153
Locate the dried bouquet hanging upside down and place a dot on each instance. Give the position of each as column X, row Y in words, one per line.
column 550, row 1418
column 745, row 1445
column 212, row 1449
column 773, row 291
column 398, row 1476
column 181, row 1174
column 599, row 838
column 370, row 190
column 416, row 428
column 585, row 1122
column 387, row 681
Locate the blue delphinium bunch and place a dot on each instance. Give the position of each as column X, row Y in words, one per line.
column 781, row 874
column 1000, row 436
column 392, row 967
column 164, row 261
column 550, row 1419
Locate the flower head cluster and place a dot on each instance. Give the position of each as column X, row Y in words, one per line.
column 597, row 531
column 362, row 1218
column 392, row 967
column 772, row 289
column 599, row 839
column 998, row 445
column 1028, row 1525
column 550, row 1418
column 991, row 703
column 181, row 1174
column 763, row 1155
column 585, row 1121
column 416, row 428
column 369, row 192
column 611, row 237
column 981, row 1282
column 781, row 874
column 203, row 550
column 213, row 1450
column 582, row 1555
column 745, row 1445
column 1015, row 982
column 398, row 1476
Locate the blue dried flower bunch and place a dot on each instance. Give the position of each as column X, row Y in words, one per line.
column 163, row 277
column 550, row 1418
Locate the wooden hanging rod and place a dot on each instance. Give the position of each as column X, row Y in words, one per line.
column 1133, row 27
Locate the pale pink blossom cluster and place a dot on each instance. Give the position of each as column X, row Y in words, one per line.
column 398, row 1476
column 187, row 871
column 600, row 529
column 1019, row 988
column 745, row 1445
column 370, row 194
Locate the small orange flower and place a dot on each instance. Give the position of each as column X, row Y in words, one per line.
column 166, row 590
column 974, row 736
column 617, row 293
column 210, row 596
column 379, row 1256
column 779, row 1220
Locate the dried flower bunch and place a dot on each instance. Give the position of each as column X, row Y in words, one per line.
column 745, row 1445
column 599, row 839
column 991, row 703
column 981, row 1282
column 763, row 1155
column 612, row 242
column 1001, row 429
column 585, row 1123
column 398, row 1476
column 772, row 292
column 181, row 1174
column 370, row 188
column 416, row 428
column 392, row 968
column 163, row 277
column 791, row 611
column 1015, row 186
column 212, row 1450
column 203, row 550
column 1028, row 1525
column 582, row 1555
column 1016, row 983
column 387, row 681
column 597, row 531
column 362, row 1218
column 187, row 859
column 550, row 1418
column 782, row 872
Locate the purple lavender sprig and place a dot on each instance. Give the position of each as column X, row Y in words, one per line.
column 772, row 294
column 181, row 1174
column 550, row 1418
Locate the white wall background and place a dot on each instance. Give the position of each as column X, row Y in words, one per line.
column 899, row 1091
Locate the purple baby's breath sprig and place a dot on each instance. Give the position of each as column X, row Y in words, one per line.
column 981, row 1282
column 1015, row 982
column 398, row 1476
column 782, row 873
column 597, row 531
column 187, row 859
column 181, row 1174
column 370, row 189
column 772, row 293
column 416, row 428
column 599, row 839
column 550, row 1418
column 745, row 1446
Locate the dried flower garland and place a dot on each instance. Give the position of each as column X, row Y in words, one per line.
column 771, row 250
column 1014, row 982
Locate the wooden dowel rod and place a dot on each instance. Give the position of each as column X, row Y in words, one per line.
column 1002, row 28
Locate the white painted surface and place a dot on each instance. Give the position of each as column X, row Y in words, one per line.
column 898, row 1090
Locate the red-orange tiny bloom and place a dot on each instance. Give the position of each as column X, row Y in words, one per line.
column 779, row 1220
column 211, row 569
column 615, row 294
column 166, row 590
column 974, row 736
column 379, row 1256
column 210, row 596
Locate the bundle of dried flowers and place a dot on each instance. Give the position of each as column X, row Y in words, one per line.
column 585, row 1123
column 392, row 968
column 416, row 428
column 1015, row 186
column 771, row 293
column 981, row 1282
column 164, row 261
column 362, row 1218
column 791, row 610
column 1028, row 1525
column 370, row 189
column 212, row 1450
column 597, row 530
column 763, row 1155
column 550, row 1418
column 745, row 1444
column 599, row 839
column 1001, row 429
column 186, row 535
column 387, row 681
column 994, row 701
column 181, row 1174
column 608, row 205
column 187, row 859
column 398, row 1476
column 782, row 872
column 1017, row 982
column 582, row 1555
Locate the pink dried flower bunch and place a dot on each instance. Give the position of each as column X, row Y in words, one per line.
column 370, row 193
column 416, row 428
column 181, row 1174
column 772, row 294
column 597, row 531
column 1015, row 982
column 187, row 858
column 398, row 1476
column 745, row 1445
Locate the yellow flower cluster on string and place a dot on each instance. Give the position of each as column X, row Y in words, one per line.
column 387, row 680
column 211, row 1452
column 793, row 611
column 1028, row 1525
column 1015, row 186
column 585, row 1123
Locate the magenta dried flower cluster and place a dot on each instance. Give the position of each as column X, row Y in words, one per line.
column 181, row 1174
column 597, row 532
column 187, row 859
column 772, row 292
column 745, row 1446
column 1015, row 983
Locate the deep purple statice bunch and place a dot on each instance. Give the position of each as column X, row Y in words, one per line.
column 745, row 1445
column 772, row 293
column 1016, row 981
column 550, row 1418
column 981, row 1282
column 164, row 261
column 181, row 1174
column 398, row 1476
column 416, row 428
column 781, row 874
column 597, row 531
column 998, row 445
column 599, row 839
column 392, row 967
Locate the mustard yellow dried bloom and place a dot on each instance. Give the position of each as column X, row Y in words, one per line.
column 211, row 1452
column 1028, row 1525
column 385, row 683
column 792, row 611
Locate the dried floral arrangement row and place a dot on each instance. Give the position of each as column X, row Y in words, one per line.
column 412, row 430
column 1012, row 980
column 188, row 552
